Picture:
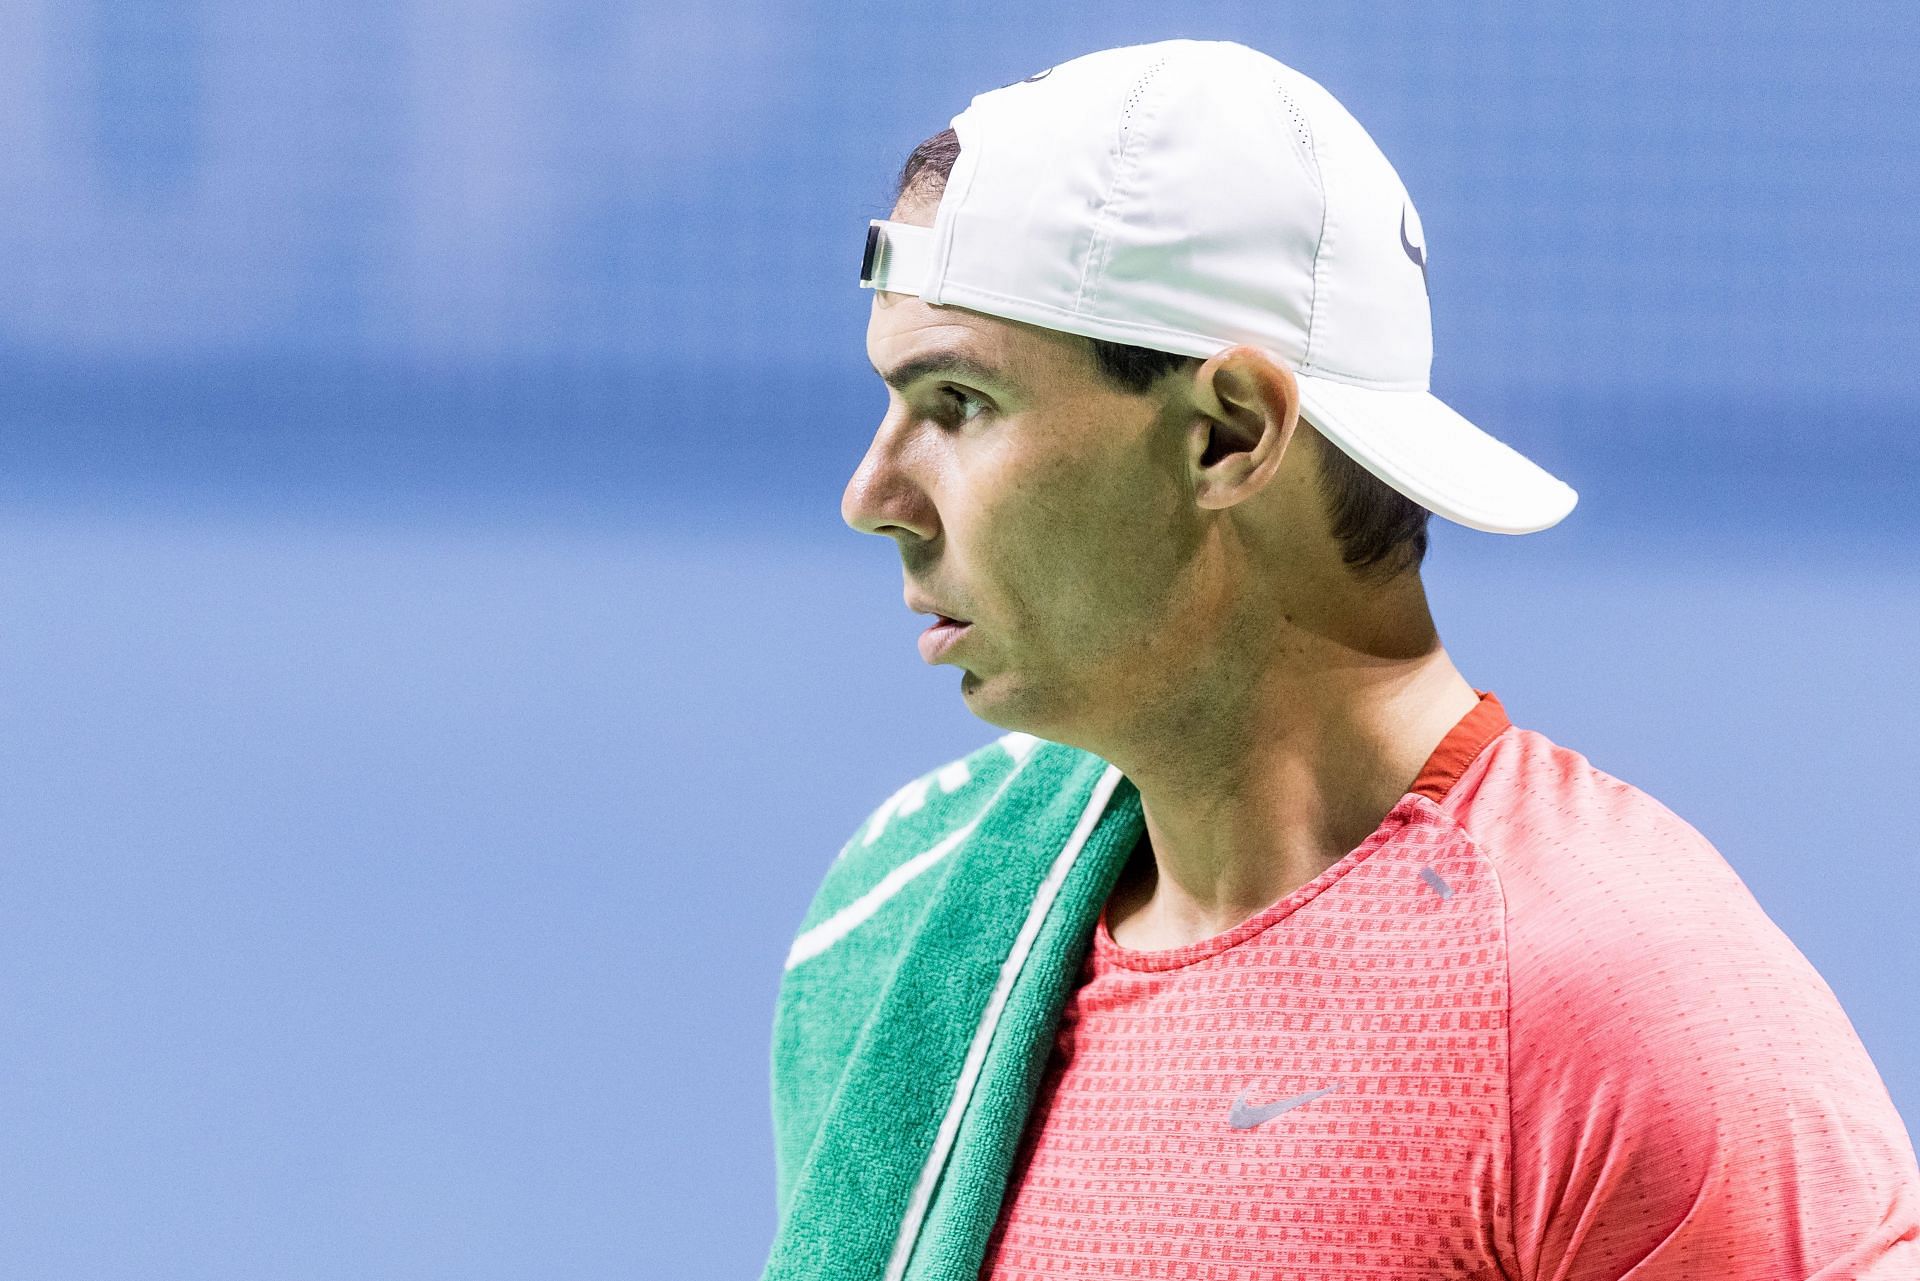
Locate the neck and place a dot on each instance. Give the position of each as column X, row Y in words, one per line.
column 1251, row 787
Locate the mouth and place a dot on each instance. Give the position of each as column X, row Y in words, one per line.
column 922, row 606
column 941, row 635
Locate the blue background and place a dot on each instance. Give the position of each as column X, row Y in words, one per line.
column 434, row 673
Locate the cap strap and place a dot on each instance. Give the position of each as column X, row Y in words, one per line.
column 897, row 258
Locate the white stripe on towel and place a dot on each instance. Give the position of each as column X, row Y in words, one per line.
column 836, row 927
column 977, row 1052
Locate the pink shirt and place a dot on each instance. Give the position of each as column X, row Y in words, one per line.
column 1533, row 1027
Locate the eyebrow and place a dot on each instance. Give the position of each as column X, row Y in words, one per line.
column 947, row 362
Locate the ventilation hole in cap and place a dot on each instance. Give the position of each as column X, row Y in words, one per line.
column 1299, row 119
column 1302, row 136
column 1138, row 92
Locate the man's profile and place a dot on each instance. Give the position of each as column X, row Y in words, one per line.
column 1262, row 943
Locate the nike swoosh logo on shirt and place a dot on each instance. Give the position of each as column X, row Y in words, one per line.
column 1245, row 1118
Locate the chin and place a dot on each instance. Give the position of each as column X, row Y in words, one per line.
column 991, row 701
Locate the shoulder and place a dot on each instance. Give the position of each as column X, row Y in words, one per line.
column 920, row 821
column 934, row 803
column 1681, row 1077
column 925, row 803
column 1623, row 921
column 1594, row 869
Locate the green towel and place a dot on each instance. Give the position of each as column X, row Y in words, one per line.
column 892, row 1149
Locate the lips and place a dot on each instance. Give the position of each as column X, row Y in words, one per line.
column 921, row 605
column 940, row 637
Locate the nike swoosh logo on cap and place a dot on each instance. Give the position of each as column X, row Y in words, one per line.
column 1416, row 252
column 1038, row 75
column 1243, row 1117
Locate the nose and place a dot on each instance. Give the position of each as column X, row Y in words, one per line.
column 883, row 496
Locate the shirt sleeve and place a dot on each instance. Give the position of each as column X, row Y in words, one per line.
column 1688, row 1098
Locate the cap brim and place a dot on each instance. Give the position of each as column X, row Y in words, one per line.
column 1417, row 443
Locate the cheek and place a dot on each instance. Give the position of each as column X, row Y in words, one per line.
column 1070, row 536
column 1088, row 552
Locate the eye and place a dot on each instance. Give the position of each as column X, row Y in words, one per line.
column 959, row 400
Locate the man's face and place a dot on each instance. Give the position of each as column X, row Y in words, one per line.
column 1035, row 500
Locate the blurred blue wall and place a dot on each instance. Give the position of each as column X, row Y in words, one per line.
column 501, row 246
column 422, row 430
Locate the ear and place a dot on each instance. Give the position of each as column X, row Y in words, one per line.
column 1246, row 409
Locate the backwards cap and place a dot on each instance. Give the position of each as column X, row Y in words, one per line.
column 1191, row 195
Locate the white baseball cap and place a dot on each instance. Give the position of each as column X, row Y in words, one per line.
column 1191, row 195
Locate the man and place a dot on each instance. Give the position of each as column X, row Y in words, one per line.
column 1264, row 944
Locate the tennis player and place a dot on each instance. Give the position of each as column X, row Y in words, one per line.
column 1264, row 945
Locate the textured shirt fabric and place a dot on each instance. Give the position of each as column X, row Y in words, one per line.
column 1533, row 1027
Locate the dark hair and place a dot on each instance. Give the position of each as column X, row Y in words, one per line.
column 1381, row 531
